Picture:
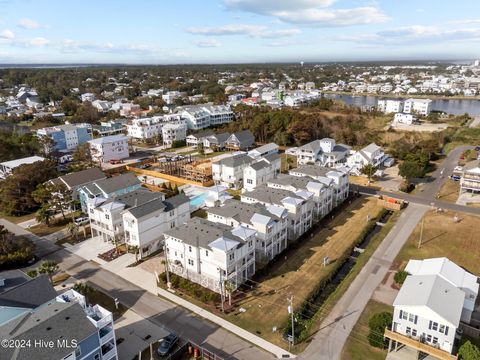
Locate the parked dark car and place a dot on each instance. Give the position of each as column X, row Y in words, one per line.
column 167, row 344
column 145, row 166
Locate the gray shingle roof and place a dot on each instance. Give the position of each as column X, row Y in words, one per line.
column 268, row 195
column 134, row 198
column 116, row 183
column 55, row 321
column 29, row 294
column 240, row 211
column 236, row 160
column 157, row 204
column 201, row 232
column 260, row 165
column 290, row 180
column 311, row 170
column 12, row 278
column 82, row 177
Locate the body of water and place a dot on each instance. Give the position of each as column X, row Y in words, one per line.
column 450, row 106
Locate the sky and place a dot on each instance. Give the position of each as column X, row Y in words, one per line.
column 237, row 31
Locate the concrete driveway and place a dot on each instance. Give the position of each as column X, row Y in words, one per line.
column 90, row 248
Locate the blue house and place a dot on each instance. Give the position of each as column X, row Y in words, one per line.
column 66, row 137
column 107, row 188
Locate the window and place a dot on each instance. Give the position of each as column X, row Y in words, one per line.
column 206, row 252
column 442, row 329
column 189, row 248
column 434, row 326
column 408, row 331
column 249, row 181
column 411, row 317
column 107, row 216
column 414, row 332
column 190, row 262
column 404, row 315
column 232, row 256
column 435, row 340
column 429, row 338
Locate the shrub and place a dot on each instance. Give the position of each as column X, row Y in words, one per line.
column 468, row 351
column 400, row 277
column 377, row 324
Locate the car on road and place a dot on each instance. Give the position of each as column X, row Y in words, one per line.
column 455, row 177
column 145, row 166
column 81, row 220
column 167, row 344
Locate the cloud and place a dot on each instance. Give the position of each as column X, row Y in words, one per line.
column 72, row 46
column 207, row 43
column 415, row 34
column 38, row 41
column 253, row 31
column 7, row 34
column 313, row 13
column 29, row 24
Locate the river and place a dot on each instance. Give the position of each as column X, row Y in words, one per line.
column 450, row 106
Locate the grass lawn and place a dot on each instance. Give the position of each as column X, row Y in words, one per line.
column 357, row 345
column 442, row 237
column 18, row 219
column 449, row 191
column 287, row 162
column 301, row 272
column 80, row 237
column 56, row 225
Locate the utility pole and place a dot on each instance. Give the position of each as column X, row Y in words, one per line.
column 421, row 233
column 221, row 290
column 166, row 265
column 290, row 311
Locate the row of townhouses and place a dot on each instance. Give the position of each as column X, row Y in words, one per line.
column 409, row 106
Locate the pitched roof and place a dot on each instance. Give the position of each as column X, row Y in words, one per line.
column 265, row 148
column 22, row 161
column 260, row 165
column 236, row 160
column 30, row 294
column 82, row 177
column 434, row 293
column 269, row 195
column 245, row 137
column 108, row 139
column 242, row 212
column 116, row 183
column 55, row 321
column 158, row 204
column 132, row 199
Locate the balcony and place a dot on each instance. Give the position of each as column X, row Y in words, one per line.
column 99, row 316
column 109, row 351
column 72, row 296
column 420, row 346
column 106, row 334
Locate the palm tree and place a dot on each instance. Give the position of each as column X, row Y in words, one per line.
column 48, row 267
column 32, row 273
column 135, row 250
column 72, row 229
column 229, row 288
column 368, row 170
column 43, row 215
column 83, row 288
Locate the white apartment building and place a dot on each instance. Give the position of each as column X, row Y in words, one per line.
column 173, row 132
column 371, row 154
column 145, row 224
column 299, row 204
column 258, row 173
column 211, row 254
column 390, row 106
column 205, row 115
column 336, row 179
column 7, row 167
column 428, row 309
column 170, row 96
column 109, row 148
column 418, row 106
column 145, row 128
column 325, row 152
column 470, row 179
column 269, row 222
column 402, row 118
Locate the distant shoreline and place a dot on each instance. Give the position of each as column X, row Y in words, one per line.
column 405, row 96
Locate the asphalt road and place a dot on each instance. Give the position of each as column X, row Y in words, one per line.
column 152, row 308
column 334, row 331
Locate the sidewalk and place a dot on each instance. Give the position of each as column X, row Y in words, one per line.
column 254, row 339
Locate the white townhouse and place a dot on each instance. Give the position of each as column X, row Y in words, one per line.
column 173, row 132
column 108, row 148
column 170, row 96
column 470, row 178
column 145, row 223
column 259, row 172
column 336, row 179
column 145, row 128
column 452, row 273
column 323, row 192
column 371, row 154
column 216, row 142
column 299, row 204
column 205, row 115
column 427, row 309
column 106, row 214
column 390, row 106
column 211, row 254
column 269, row 222
column 325, row 152
column 402, row 118
column 419, row 106
column 229, row 171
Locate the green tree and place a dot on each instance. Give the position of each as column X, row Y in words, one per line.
column 377, row 324
column 48, row 267
column 73, row 230
column 468, row 351
column 229, row 288
column 410, row 170
column 400, row 277
column 83, row 288
column 44, row 215
column 57, row 196
column 368, row 170
column 32, row 273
